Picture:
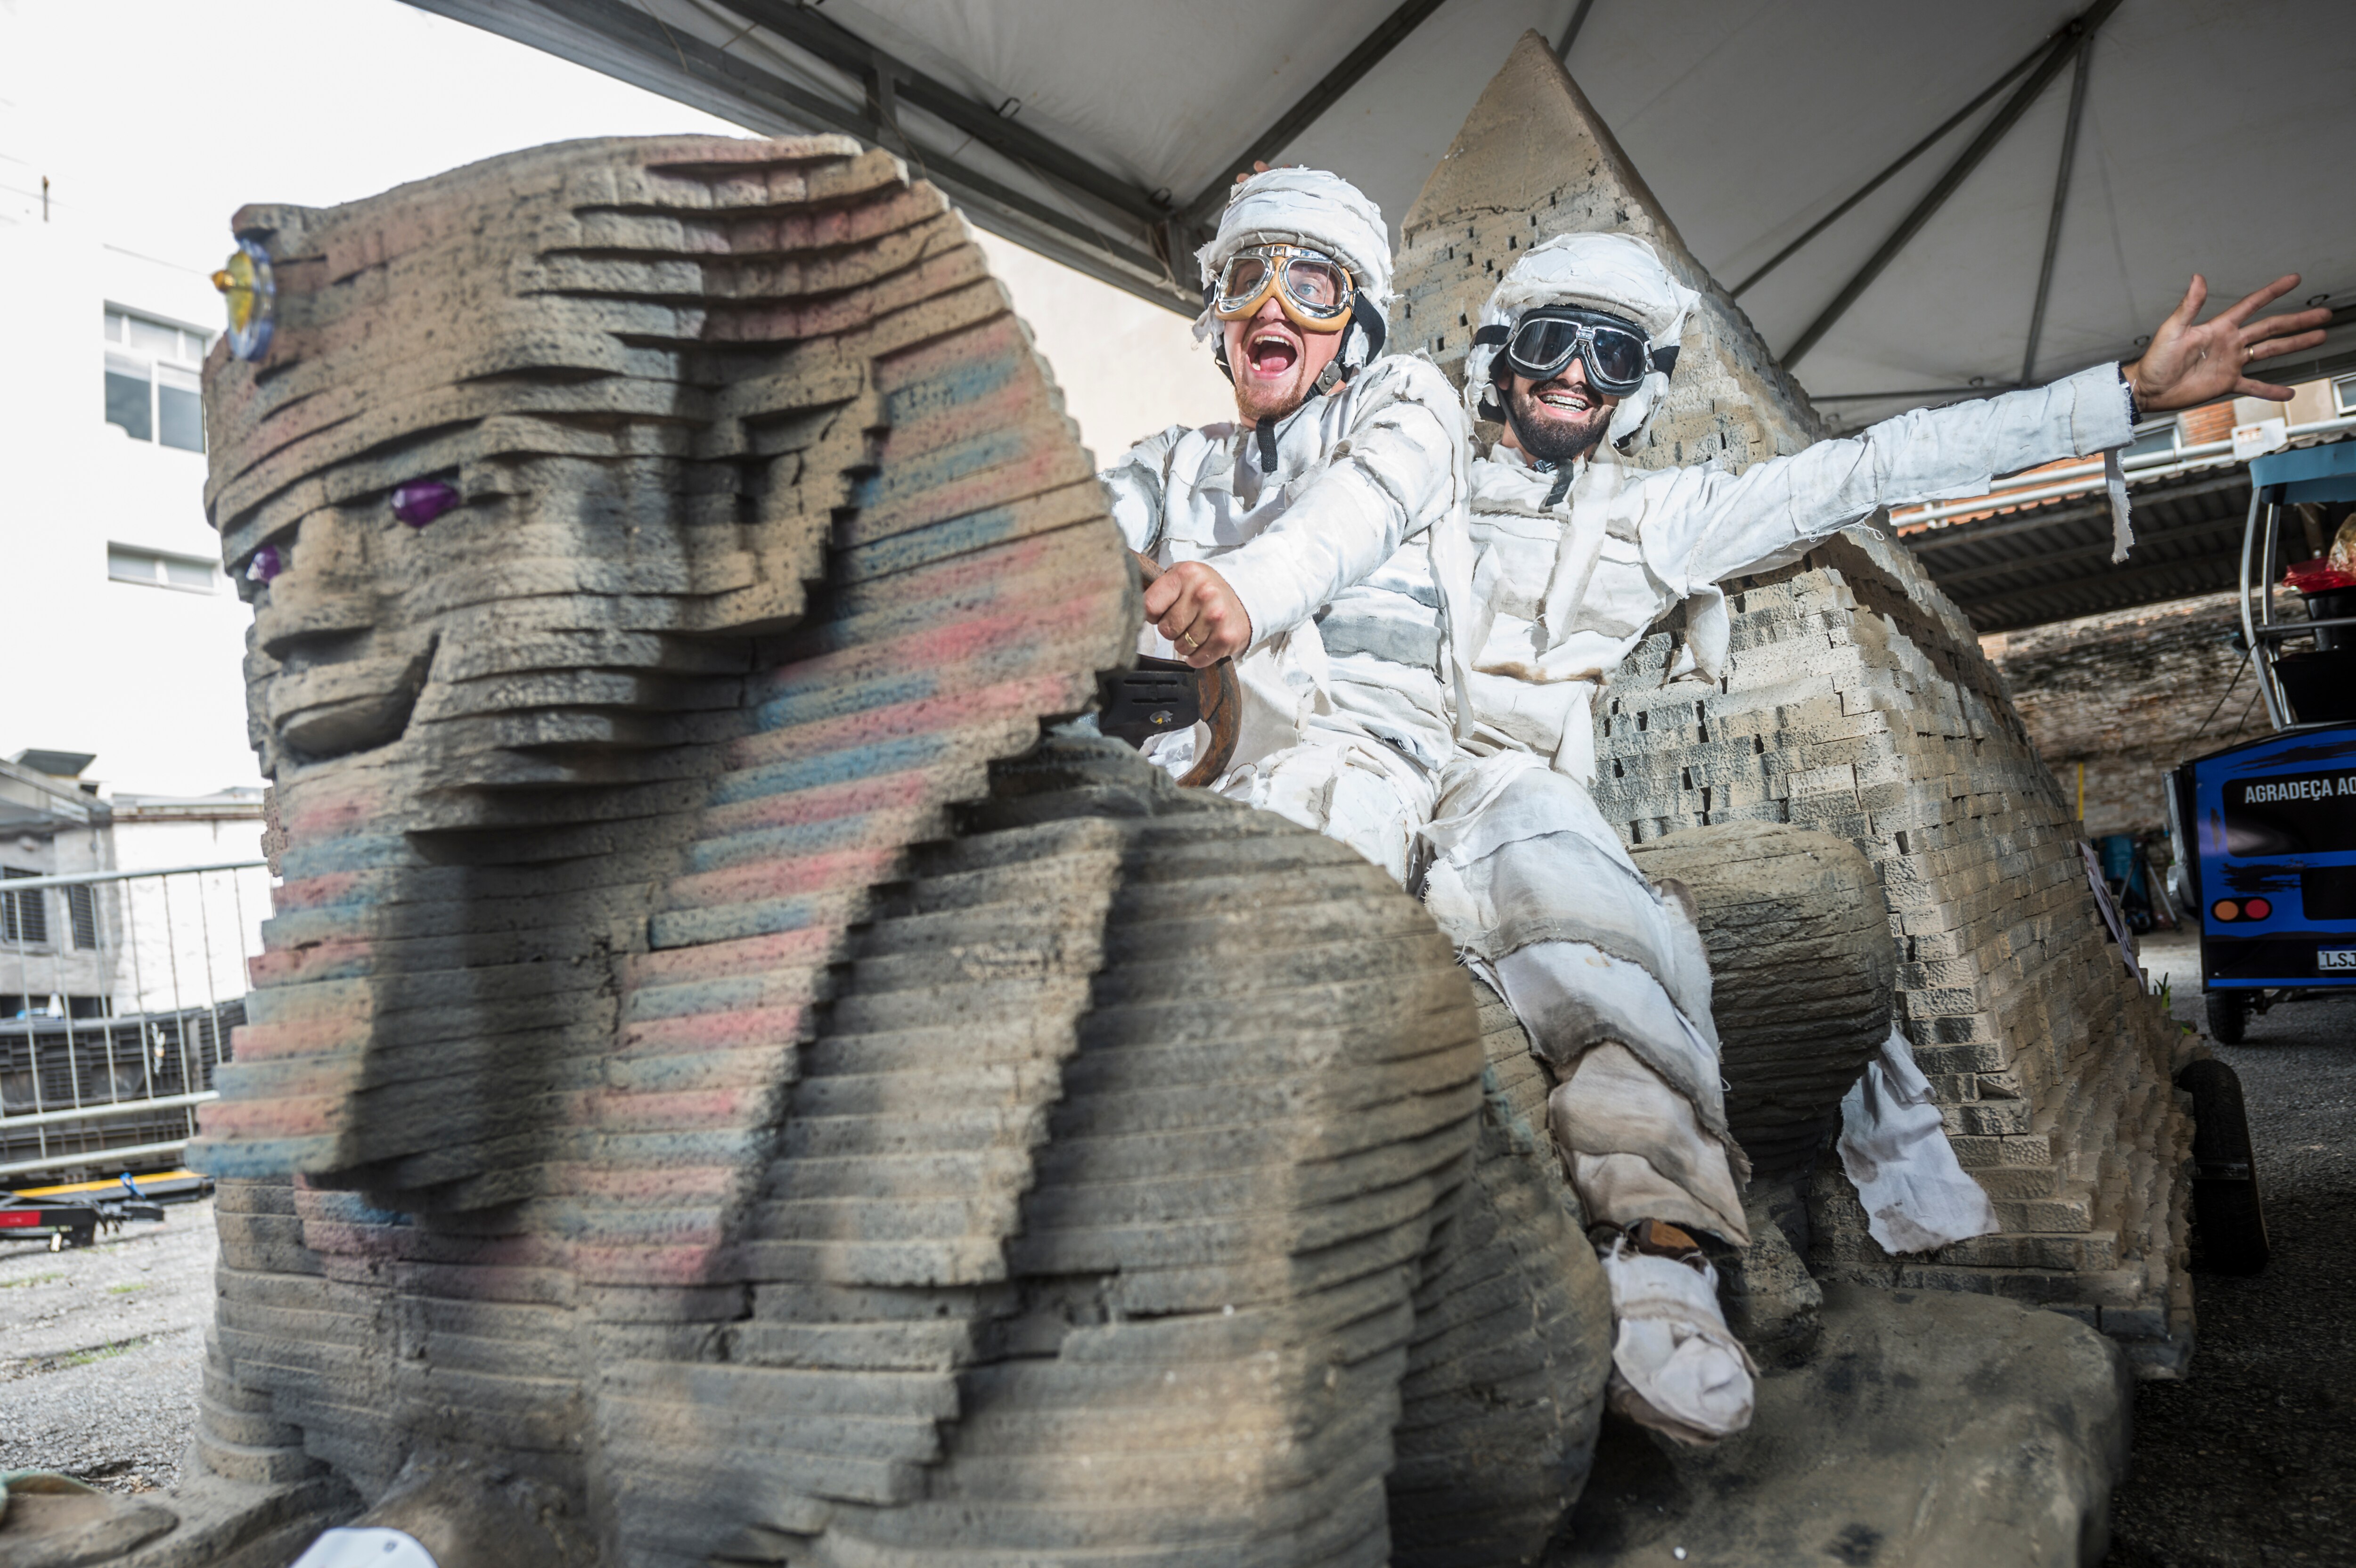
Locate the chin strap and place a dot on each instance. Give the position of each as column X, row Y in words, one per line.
column 1265, row 430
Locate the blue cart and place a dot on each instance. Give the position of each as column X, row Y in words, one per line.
column 2270, row 825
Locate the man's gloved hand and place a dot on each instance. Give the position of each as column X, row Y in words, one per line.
column 2191, row 362
column 1194, row 607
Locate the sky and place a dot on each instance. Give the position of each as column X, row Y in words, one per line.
column 156, row 119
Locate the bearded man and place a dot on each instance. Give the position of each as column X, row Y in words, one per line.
column 1576, row 558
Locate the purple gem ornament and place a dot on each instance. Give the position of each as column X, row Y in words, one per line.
column 421, row 501
column 265, row 564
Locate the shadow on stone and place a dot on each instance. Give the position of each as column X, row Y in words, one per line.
column 1928, row 1431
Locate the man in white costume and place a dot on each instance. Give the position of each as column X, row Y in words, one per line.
column 1575, row 558
column 1298, row 538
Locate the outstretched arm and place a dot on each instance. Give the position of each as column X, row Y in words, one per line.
column 1701, row 527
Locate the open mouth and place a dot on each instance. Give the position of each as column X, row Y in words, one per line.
column 1271, row 353
column 1563, row 402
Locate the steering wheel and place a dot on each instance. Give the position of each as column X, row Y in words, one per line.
column 1161, row 696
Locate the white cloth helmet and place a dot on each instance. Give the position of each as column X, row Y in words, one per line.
column 1616, row 274
column 1324, row 212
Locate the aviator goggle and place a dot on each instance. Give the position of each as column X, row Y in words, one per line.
column 1312, row 289
column 1543, row 343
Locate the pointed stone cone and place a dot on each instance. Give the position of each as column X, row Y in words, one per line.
column 1533, row 161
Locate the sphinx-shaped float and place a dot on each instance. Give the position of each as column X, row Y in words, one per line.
column 720, row 1086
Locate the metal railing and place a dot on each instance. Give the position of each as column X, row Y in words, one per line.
column 118, row 994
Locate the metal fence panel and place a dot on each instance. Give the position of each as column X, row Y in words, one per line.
column 118, row 994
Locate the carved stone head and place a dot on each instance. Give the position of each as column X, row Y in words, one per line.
column 531, row 486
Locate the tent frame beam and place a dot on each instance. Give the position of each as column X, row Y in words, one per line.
column 1905, row 158
column 1571, row 33
column 708, row 76
column 1372, row 50
column 2065, row 43
column 891, row 78
column 2060, row 199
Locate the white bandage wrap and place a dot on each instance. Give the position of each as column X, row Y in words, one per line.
column 1674, row 1351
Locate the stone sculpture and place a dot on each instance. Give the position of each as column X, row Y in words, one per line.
column 721, row 1088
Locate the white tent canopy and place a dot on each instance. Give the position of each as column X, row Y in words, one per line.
column 1105, row 134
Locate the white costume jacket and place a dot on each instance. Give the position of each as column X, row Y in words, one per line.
column 1524, row 873
column 1345, row 723
column 1564, row 592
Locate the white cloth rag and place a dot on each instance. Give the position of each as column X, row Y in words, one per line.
column 1917, row 1197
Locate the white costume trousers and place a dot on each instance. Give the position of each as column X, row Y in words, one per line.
column 1610, row 976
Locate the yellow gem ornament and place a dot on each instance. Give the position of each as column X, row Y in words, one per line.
column 247, row 282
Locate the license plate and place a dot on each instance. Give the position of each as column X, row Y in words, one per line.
column 2336, row 960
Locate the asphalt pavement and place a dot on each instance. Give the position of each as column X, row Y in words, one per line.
column 2252, row 1459
column 102, row 1349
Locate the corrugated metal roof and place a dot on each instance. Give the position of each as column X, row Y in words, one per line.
column 2050, row 560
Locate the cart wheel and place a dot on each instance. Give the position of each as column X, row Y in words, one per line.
column 2229, row 1216
column 87, row 1236
column 2228, row 1012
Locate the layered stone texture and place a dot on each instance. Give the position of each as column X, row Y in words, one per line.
column 2128, row 694
column 720, row 1086
column 1858, row 703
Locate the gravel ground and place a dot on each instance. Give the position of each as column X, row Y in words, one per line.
column 103, row 1349
column 2252, row 1459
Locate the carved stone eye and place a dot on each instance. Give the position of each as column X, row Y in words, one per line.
column 421, row 501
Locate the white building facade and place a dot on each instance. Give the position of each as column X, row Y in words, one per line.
column 128, row 638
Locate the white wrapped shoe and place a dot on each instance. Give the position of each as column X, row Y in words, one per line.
column 1676, row 1366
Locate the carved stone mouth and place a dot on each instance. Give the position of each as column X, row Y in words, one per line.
column 358, row 705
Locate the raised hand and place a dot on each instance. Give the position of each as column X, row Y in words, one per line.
column 2192, row 361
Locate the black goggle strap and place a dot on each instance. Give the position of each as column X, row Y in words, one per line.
column 1370, row 322
column 1367, row 322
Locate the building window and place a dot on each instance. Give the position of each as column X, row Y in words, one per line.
column 154, row 569
column 153, row 380
column 2343, row 394
column 81, row 914
column 24, row 917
